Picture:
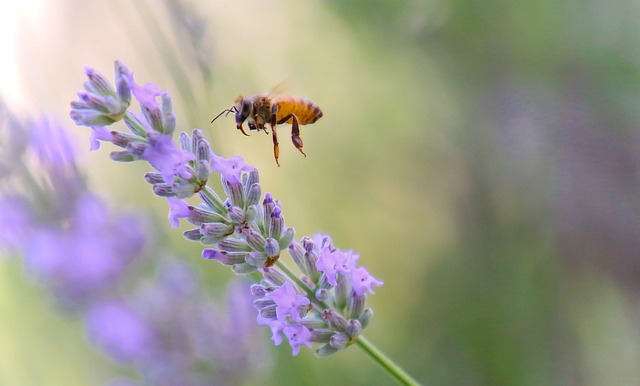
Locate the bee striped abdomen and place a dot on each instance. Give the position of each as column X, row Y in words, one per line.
column 307, row 111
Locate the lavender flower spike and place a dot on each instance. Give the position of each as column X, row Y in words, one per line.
column 100, row 104
column 182, row 171
column 325, row 305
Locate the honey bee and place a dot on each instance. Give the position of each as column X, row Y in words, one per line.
column 260, row 109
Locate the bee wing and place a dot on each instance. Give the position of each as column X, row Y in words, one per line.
column 279, row 88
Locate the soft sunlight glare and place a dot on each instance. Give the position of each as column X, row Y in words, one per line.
column 13, row 14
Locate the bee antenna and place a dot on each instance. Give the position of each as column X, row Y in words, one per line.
column 231, row 110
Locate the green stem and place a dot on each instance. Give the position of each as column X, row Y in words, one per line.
column 392, row 369
column 387, row 364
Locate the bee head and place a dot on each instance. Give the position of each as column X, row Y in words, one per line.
column 243, row 110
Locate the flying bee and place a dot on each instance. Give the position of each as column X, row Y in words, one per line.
column 261, row 109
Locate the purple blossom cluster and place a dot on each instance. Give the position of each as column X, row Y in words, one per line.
column 166, row 328
column 180, row 172
column 175, row 335
column 326, row 304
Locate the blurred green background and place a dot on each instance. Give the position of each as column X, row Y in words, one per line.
column 482, row 157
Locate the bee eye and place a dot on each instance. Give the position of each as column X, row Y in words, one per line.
column 243, row 112
column 246, row 107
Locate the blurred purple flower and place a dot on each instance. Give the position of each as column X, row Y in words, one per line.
column 232, row 326
column 123, row 382
column 51, row 144
column 173, row 334
column 16, row 219
column 120, row 332
column 83, row 259
column 67, row 237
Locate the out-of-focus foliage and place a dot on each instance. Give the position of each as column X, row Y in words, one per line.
column 546, row 153
column 483, row 157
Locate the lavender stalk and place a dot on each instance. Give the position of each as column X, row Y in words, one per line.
column 325, row 304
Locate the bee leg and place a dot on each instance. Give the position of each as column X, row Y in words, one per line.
column 295, row 135
column 276, row 149
column 263, row 128
column 295, row 131
column 272, row 122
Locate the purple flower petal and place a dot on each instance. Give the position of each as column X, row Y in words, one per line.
column 178, row 208
column 99, row 133
column 288, row 302
column 223, row 257
column 164, row 155
column 298, row 335
column 322, row 240
column 276, row 327
column 146, row 94
column 331, row 263
column 230, row 168
column 362, row 281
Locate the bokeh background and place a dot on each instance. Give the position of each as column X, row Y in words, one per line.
column 482, row 157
